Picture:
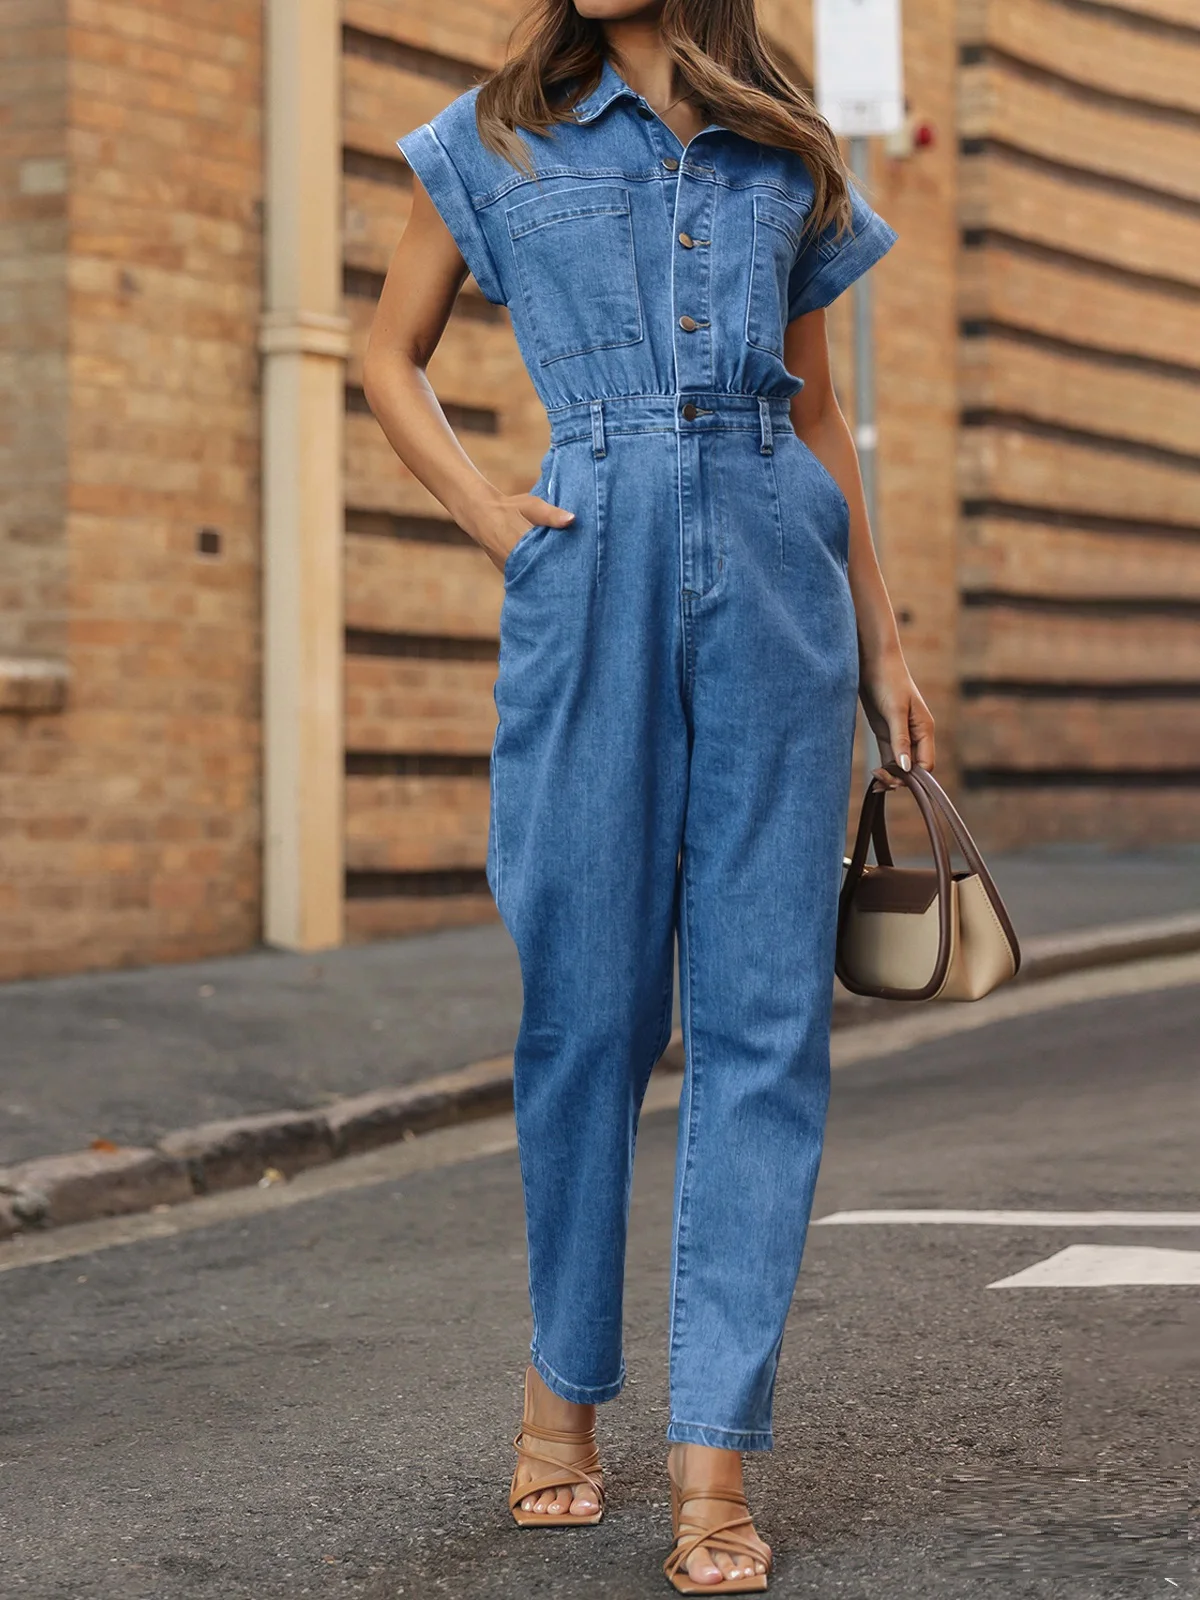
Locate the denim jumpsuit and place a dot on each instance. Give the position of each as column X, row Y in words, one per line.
column 676, row 692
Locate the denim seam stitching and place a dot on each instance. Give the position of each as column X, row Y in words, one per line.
column 490, row 197
column 668, row 394
column 710, row 1427
column 776, row 506
column 691, row 1118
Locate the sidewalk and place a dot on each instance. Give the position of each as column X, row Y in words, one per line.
column 128, row 1056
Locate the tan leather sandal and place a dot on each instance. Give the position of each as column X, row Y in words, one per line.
column 725, row 1537
column 585, row 1469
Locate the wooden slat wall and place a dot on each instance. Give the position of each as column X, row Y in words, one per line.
column 1042, row 115
column 422, row 604
column 1080, row 437
column 1105, row 47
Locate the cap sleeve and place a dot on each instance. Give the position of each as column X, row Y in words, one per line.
column 429, row 151
column 826, row 266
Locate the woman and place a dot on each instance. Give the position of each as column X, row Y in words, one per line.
column 692, row 605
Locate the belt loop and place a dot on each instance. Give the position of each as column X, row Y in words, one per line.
column 598, row 427
column 764, row 421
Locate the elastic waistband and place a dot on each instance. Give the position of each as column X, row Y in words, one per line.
column 690, row 411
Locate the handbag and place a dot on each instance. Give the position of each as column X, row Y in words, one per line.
column 921, row 933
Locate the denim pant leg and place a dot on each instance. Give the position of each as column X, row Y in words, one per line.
column 589, row 781
column 773, row 692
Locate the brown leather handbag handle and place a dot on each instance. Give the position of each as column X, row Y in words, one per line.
column 972, row 856
column 937, row 812
column 873, row 827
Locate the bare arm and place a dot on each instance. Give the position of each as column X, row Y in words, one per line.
column 425, row 275
column 898, row 716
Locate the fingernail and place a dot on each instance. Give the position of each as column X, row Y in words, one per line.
column 905, row 763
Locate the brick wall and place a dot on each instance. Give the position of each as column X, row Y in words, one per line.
column 131, row 818
column 33, row 332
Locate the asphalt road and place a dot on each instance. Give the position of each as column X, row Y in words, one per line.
column 130, row 1055
column 317, row 1398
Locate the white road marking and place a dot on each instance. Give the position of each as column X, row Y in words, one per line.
column 1096, row 1266
column 1020, row 1219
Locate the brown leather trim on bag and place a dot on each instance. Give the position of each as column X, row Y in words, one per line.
column 897, row 889
column 973, row 859
column 936, row 809
column 871, row 822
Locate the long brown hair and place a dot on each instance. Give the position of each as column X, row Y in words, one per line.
column 722, row 60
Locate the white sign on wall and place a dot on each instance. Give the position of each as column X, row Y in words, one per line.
column 859, row 65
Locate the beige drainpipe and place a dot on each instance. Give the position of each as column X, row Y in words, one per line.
column 304, row 342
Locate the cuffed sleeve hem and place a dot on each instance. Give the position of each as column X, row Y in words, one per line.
column 835, row 275
column 431, row 162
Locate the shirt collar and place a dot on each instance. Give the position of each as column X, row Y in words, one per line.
column 610, row 87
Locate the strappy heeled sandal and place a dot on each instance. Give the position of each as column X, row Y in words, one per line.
column 585, row 1470
column 724, row 1537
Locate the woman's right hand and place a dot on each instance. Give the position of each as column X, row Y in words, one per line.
column 500, row 525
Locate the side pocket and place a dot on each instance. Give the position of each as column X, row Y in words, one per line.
column 521, row 556
column 840, row 506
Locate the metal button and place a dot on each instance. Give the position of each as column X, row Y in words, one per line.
column 670, row 163
column 688, row 324
column 686, row 240
column 645, row 111
column 691, row 412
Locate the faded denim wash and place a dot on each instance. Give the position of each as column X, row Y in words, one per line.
column 676, row 693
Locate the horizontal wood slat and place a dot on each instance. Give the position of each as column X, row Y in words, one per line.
column 1067, row 301
column 380, row 103
column 1013, row 646
column 1002, row 819
column 1093, row 47
column 447, row 28
column 997, row 101
column 402, row 586
column 368, row 920
column 416, row 824
column 476, row 362
column 419, row 705
column 1027, row 558
column 376, row 480
column 1184, row 13
column 996, row 464
column 1078, row 733
column 374, row 216
column 999, row 374
column 1007, row 196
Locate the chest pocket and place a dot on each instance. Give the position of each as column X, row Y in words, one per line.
column 575, row 262
column 777, row 232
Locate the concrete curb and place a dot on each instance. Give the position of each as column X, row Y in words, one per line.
column 270, row 1147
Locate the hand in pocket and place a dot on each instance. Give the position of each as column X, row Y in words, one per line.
column 505, row 522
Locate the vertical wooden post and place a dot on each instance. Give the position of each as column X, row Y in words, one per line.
column 304, row 342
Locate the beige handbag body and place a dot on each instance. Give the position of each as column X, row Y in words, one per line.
column 921, row 933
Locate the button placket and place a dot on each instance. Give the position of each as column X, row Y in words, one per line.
column 694, row 202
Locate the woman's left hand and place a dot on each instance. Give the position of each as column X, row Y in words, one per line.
column 897, row 716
